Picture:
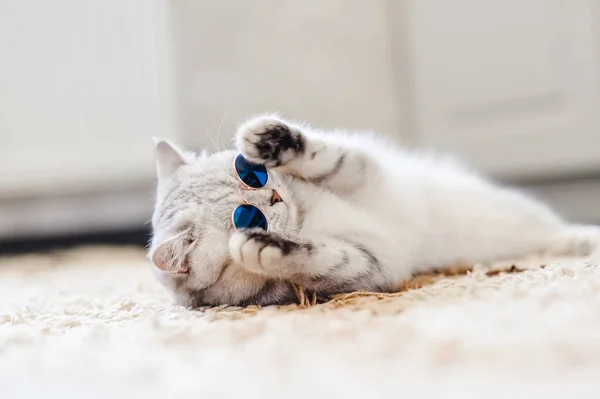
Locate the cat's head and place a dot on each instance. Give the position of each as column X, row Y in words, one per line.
column 192, row 225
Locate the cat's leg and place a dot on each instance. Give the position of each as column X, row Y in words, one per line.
column 522, row 222
column 578, row 240
column 323, row 159
column 493, row 224
column 326, row 264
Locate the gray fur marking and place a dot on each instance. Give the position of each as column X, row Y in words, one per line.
column 336, row 169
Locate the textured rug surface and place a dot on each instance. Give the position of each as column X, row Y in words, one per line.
column 93, row 322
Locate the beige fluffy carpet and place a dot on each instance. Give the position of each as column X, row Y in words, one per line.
column 93, row 323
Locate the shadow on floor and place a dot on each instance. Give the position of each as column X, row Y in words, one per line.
column 138, row 237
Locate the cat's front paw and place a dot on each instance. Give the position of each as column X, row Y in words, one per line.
column 261, row 252
column 270, row 141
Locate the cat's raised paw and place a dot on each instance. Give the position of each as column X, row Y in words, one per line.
column 261, row 252
column 270, row 141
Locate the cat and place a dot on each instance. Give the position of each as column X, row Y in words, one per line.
column 352, row 212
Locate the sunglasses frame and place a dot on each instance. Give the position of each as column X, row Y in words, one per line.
column 244, row 200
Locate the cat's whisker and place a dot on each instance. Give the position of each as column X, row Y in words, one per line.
column 286, row 231
column 210, row 137
column 219, row 130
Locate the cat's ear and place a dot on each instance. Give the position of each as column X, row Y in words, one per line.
column 168, row 158
column 171, row 255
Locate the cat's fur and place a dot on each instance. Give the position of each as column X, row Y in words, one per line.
column 357, row 214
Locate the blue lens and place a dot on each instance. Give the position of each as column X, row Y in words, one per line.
column 253, row 175
column 248, row 216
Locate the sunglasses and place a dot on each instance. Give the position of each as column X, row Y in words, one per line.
column 253, row 177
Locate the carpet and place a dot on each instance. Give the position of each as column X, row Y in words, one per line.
column 93, row 323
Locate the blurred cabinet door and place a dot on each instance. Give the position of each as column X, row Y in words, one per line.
column 83, row 88
column 511, row 85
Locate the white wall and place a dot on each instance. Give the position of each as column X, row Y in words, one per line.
column 84, row 85
column 327, row 62
column 513, row 86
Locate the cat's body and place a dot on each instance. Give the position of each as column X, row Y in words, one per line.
column 357, row 214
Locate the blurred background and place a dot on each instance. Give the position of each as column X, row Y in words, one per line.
column 510, row 85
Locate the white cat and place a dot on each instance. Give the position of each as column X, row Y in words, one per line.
column 346, row 212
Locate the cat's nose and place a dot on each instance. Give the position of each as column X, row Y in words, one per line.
column 275, row 198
